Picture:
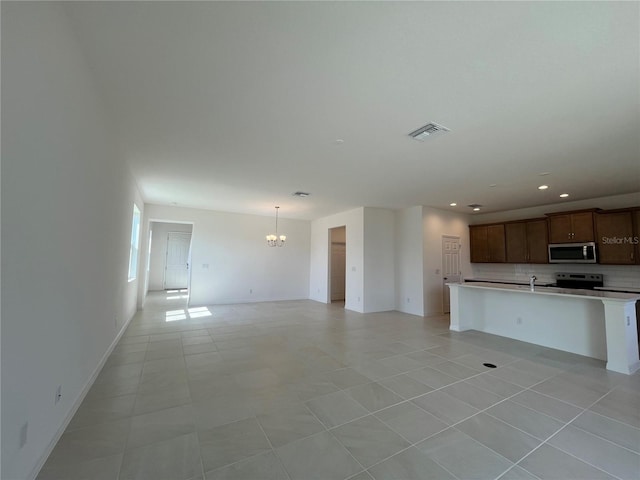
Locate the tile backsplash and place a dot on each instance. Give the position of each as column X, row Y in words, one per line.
column 614, row 275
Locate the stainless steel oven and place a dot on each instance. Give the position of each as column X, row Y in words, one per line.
column 573, row 253
column 587, row 281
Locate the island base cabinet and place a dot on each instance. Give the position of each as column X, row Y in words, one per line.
column 597, row 327
column 622, row 336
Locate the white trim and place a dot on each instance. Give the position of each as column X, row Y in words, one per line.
column 74, row 408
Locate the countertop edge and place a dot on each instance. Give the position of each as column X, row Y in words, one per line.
column 555, row 291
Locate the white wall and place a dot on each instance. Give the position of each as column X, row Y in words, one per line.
column 66, row 216
column 409, row 261
column 437, row 223
column 159, row 250
column 353, row 220
column 231, row 262
column 379, row 261
column 390, row 255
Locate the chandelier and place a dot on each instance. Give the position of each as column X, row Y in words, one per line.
column 275, row 240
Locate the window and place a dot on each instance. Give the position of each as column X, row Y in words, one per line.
column 135, row 243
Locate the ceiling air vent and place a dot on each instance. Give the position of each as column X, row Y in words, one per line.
column 300, row 194
column 428, row 131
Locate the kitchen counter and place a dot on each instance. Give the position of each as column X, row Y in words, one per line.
column 620, row 289
column 506, row 282
column 567, row 292
column 548, row 284
column 594, row 323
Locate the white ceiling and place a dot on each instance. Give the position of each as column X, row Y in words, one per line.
column 235, row 105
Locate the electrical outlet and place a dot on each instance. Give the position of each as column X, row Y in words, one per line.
column 408, row 300
column 251, row 290
column 23, row 434
column 205, row 266
column 519, row 321
column 58, row 394
column 628, row 321
column 358, row 298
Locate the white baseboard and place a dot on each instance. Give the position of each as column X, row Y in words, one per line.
column 78, row 402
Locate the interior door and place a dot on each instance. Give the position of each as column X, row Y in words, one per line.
column 450, row 267
column 177, row 260
column 338, row 270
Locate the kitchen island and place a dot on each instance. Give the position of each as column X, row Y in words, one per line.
column 596, row 324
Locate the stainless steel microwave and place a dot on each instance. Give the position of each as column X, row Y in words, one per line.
column 573, row 253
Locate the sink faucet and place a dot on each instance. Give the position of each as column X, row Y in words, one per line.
column 532, row 282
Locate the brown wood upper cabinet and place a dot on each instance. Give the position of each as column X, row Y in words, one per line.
column 487, row 243
column 571, row 227
column 526, row 242
column 636, row 238
column 615, row 238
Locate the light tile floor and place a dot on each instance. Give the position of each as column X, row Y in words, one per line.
column 303, row 390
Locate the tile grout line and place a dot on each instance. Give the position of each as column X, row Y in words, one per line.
column 475, row 414
column 334, row 437
column 546, row 442
column 184, row 360
column 448, row 426
column 413, row 444
column 306, row 338
column 273, row 450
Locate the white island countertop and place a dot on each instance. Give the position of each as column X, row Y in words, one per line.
column 565, row 292
column 594, row 323
column 620, row 289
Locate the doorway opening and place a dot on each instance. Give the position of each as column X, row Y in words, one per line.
column 337, row 265
column 176, row 268
column 169, row 266
column 450, row 267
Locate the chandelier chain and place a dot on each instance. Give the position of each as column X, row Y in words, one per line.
column 276, row 240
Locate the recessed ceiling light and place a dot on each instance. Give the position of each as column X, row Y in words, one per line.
column 453, row 204
column 300, row 194
column 339, row 141
column 476, row 209
column 544, row 174
column 493, row 185
column 543, row 187
column 564, row 195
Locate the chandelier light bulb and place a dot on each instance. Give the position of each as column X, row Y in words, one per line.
column 276, row 240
